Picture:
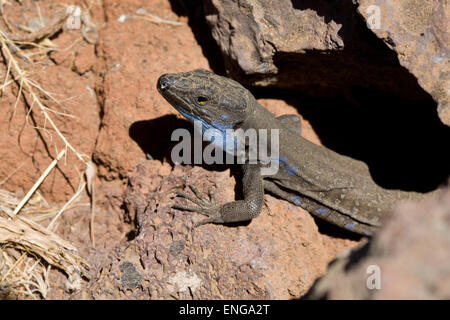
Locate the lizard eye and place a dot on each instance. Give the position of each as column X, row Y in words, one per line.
column 202, row 100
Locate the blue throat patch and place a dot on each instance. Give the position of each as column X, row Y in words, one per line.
column 218, row 128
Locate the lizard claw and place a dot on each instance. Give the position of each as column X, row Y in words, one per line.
column 206, row 207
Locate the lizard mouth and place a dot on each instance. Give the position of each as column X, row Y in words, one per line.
column 165, row 88
column 178, row 97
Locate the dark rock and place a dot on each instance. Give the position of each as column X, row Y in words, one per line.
column 325, row 48
column 131, row 278
column 418, row 31
column 176, row 247
column 411, row 255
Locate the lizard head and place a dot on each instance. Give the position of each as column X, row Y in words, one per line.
column 201, row 95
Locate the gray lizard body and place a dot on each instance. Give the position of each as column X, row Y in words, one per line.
column 330, row 186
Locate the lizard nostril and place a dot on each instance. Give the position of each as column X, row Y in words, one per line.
column 163, row 83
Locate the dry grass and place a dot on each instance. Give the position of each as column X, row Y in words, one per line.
column 28, row 250
column 147, row 15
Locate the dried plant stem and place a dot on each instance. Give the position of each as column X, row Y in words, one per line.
column 39, row 181
column 12, row 268
column 19, row 76
column 16, row 231
column 13, row 172
column 66, row 205
column 91, row 225
column 90, row 179
column 145, row 14
column 33, row 238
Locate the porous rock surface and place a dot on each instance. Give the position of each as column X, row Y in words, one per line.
column 276, row 256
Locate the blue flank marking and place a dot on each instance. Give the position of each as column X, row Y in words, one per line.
column 222, row 126
column 224, row 117
column 291, row 170
column 321, row 211
column 296, row 200
column 350, row 226
column 367, row 233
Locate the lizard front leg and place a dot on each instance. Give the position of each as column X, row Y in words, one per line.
column 235, row 211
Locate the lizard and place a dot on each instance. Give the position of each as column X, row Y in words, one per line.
column 331, row 186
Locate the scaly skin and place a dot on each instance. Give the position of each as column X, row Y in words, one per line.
column 330, row 186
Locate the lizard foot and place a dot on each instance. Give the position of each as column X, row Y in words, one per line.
column 206, row 207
